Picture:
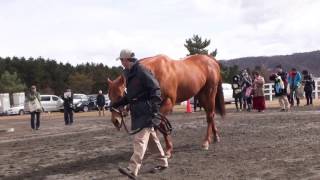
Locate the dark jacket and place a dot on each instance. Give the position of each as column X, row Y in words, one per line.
column 143, row 95
column 236, row 87
column 68, row 102
column 101, row 100
column 309, row 84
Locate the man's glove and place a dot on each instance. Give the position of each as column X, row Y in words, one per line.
column 155, row 111
column 155, row 120
column 155, row 108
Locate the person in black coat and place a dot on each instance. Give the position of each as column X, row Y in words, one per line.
column 309, row 86
column 237, row 92
column 101, row 102
column 144, row 97
column 68, row 107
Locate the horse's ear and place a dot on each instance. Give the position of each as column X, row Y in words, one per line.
column 109, row 81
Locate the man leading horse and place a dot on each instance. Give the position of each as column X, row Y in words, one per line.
column 178, row 84
column 144, row 97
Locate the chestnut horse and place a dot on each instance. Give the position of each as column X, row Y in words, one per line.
column 196, row 75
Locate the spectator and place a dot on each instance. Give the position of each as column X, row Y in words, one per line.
column 309, row 86
column 246, row 85
column 68, row 107
column 101, row 102
column 294, row 82
column 196, row 103
column 258, row 92
column 33, row 99
column 280, row 91
column 284, row 77
column 237, row 92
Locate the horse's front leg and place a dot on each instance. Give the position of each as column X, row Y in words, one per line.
column 211, row 130
column 207, row 139
column 166, row 107
column 169, row 145
column 216, row 137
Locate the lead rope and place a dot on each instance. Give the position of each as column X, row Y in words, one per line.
column 165, row 126
column 123, row 122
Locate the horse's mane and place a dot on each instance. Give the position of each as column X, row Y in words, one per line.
column 156, row 56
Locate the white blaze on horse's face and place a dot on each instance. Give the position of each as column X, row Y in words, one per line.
column 116, row 92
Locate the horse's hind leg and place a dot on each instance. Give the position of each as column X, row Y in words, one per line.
column 166, row 107
column 207, row 99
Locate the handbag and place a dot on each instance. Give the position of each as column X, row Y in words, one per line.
column 34, row 106
column 248, row 91
column 300, row 91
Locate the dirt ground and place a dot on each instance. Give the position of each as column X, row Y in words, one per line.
column 269, row 145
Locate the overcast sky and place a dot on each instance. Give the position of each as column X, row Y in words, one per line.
column 79, row 31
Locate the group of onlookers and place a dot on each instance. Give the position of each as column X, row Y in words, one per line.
column 248, row 91
column 34, row 106
column 288, row 87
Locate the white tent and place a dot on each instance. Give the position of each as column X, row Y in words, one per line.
column 18, row 98
column 4, row 102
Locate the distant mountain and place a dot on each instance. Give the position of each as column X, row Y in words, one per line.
column 301, row 61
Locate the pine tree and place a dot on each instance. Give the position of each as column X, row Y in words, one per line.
column 10, row 83
column 195, row 45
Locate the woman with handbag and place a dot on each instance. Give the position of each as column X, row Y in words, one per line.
column 33, row 98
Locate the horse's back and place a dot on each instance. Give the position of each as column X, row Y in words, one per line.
column 183, row 78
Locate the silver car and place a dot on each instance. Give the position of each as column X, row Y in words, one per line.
column 15, row 110
column 51, row 103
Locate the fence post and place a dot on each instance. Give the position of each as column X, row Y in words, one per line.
column 270, row 91
column 317, row 86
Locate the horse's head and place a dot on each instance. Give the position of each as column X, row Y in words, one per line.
column 116, row 91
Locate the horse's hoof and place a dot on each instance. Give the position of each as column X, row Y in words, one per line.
column 205, row 146
column 168, row 155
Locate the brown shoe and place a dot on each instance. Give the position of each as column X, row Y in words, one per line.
column 127, row 172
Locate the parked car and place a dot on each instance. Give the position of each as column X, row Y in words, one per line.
column 16, row 110
column 81, row 102
column 93, row 101
column 51, row 103
column 227, row 93
column 106, row 96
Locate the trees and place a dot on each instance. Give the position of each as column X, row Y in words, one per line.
column 196, row 45
column 10, row 83
column 53, row 78
column 80, row 83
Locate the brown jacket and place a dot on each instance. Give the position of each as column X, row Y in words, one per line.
column 258, row 86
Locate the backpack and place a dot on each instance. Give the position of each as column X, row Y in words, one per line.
column 278, row 86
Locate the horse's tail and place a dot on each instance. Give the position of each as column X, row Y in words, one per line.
column 220, row 106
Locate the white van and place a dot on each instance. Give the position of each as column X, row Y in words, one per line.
column 51, row 103
column 227, row 93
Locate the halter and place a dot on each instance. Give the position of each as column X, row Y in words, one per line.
column 165, row 126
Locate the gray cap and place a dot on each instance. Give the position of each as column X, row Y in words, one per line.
column 126, row 54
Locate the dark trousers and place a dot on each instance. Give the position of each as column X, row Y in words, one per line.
column 35, row 116
column 247, row 103
column 238, row 100
column 293, row 95
column 195, row 104
column 308, row 97
column 68, row 116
